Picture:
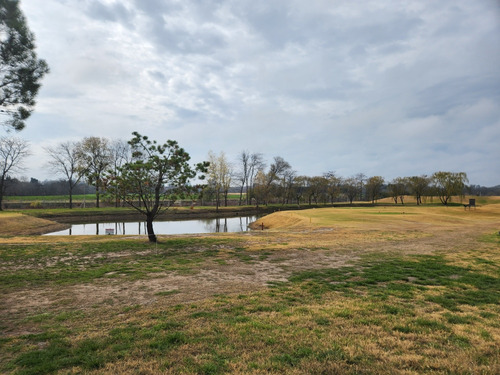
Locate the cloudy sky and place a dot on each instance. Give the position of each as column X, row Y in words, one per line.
column 390, row 88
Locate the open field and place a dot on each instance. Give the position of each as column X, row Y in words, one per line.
column 378, row 290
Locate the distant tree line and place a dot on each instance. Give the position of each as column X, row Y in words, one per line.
column 33, row 187
column 90, row 166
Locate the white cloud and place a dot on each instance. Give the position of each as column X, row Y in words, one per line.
column 384, row 88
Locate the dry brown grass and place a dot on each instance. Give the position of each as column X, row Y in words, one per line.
column 214, row 294
column 17, row 224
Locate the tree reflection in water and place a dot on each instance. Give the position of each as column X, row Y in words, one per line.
column 215, row 225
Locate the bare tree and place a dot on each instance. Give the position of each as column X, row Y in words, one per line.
column 398, row 188
column 94, row 156
column 299, row 187
column 360, row 179
column 374, row 187
column 277, row 172
column 286, row 185
column 219, row 177
column 120, row 155
column 12, row 152
column 334, row 185
column 242, row 175
column 64, row 161
column 256, row 165
column 350, row 187
column 419, row 185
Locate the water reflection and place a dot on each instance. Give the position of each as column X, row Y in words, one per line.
column 231, row 224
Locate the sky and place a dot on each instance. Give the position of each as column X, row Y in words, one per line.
column 384, row 88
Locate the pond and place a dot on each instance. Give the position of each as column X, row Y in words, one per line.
column 229, row 224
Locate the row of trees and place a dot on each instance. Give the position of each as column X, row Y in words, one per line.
column 98, row 161
column 279, row 183
column 149, row 176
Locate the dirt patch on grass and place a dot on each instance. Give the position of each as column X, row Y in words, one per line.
column 225, row 276
column 301, row 242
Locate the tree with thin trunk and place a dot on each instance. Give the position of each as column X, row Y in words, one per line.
column 448, row 184
column 374, row 187
column 155, row 178
column 277, row 170
column 350, row 188
column 286, row 185
column 256, row 165
column 334, row 184
column 398, row 188
column 299, row 187
column 20, row 69
column 242, row 174
column 419, row 186
column 317, row 189
column 219, row 175
column 64, row 161
column 360, row 179
column 120, row 154
column 12, row 152
column 94, row 157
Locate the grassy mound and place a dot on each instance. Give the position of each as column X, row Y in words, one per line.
column 16, row 224
column 280, row 220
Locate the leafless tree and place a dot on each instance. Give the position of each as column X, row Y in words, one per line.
column 334, row 184
column 64, row 161
column 360, row 179
column 350, row 188
column 120, row 155
column 300, row 184
column 419, row 186
column 398, row 188
column 242, row 174
column 277, row 172
column 256, row 165
column 219, row 176
column 373, row 187
column 12, row 152
column 94, row 156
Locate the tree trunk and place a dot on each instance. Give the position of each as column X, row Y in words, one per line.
column 70, row 190
column 149, row 227
column 97, row 196
column 241, row 194
column 2, row 191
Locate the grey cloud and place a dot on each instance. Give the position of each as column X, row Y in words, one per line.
column 385, row 88
column 154, row 8
column 440, row 98
column 115, row 12
column 156, row 75
column 183, row 27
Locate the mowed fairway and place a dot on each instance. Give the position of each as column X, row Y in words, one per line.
column 378, row 290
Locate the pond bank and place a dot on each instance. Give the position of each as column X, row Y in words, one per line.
column 125, row 214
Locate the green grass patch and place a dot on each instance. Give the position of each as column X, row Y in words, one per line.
column 407, row 278
column 84, row 262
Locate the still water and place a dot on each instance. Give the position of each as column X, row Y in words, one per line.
column 230, row 224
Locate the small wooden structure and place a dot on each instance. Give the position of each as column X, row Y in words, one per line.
column 472, row 203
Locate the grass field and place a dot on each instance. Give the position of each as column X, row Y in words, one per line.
column 380, row 290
